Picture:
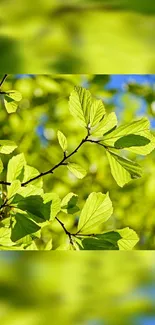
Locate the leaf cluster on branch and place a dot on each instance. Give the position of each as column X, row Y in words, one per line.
column 27, row 212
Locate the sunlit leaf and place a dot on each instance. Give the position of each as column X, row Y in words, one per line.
column 31, row 172
column 124, row 239
column 80, row 104
column 97, row 209
column 68, row 203
column 10, row 104
column 140, row 128
column 122, row 169
column 52, row 203
column 97, row 111
column 23, row 226
column 5, row 237
column 77, row 170
column 108, row 123
column 129, row 239
column 15, row 95
column 62, row 140
column 1, row 165
column 12, row 189
column 16, row 167
column 7, row 146
column 106, row 241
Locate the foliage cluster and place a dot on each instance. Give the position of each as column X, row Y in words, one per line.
column 30, row 214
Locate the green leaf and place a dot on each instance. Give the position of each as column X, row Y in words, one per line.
column 77, row 170
column 124, row 239
column 12, row 189
column 86, row 109
column 30, row 190
column 10, row 100
column 140, row 128
column 97, row 209
column 129, row 239
column 7, row 146
column 106, row 241
column 15, row 95
column 107, row 124
column 31, row 172
column 62, row 140
column 131, row 140
column 52, row 205
column 97, row 112
column 10, row 104
column 79, row 105
column 41, row 206
column 16, row 167
column 23, row 226
column 68, row 203
column 122, row 169
column 34, row 205
column 1, row 166
column 5, row 237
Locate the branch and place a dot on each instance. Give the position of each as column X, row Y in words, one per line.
column 5, row 183
column 65, row 230
column 61, row 163
column 3, row 79
column 3, row 204
column 84, row 235
column 69, row 234
column 97, row 142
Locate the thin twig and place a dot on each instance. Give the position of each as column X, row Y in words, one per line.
column 3, row 204
column 83, row 235
column 3, row 79
column 5, row 183
column 97, row 142
column 70, row 235
column 65, row 230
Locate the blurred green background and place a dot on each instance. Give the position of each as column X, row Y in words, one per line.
column 77, row 289
column 44, row 110
column 57, row 36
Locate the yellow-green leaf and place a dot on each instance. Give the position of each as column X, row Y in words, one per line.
column 15, row 95
column 79, row 104
column 1, row 165
column 62, row 140
column 7, row 146
column 107, row 124
column 129, row 239
column 15, row 167
column 10, row 104
column 77, row 170
column 97, row 209
column 139, row 127
column 122, row 169
column 97, row 112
